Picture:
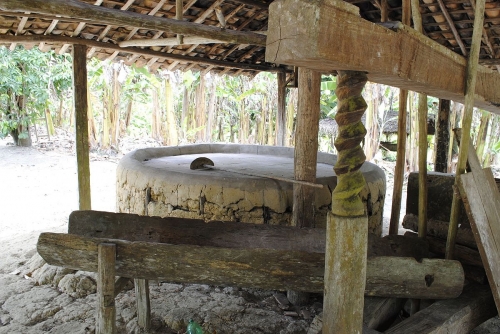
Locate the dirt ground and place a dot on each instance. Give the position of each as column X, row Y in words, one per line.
column 38, row 191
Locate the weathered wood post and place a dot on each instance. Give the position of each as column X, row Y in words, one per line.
column 106, row 313
column 306, row 156
column 470, row 88
column 442, row 136
column 281, row 116
column 347, row 225
column 82, row 127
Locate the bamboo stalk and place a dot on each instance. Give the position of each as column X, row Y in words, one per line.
column 470, row 85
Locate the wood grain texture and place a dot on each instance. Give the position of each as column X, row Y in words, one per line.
column 439, row 229
column 330, row 35
column 258, row 268
column 379, row 310
column 345, row 274
column 82, row 125
column 481, row 198
column 306, row 147
column 141, row 287
column 84, row 11
column 106, row 314
column 457, row 316
column 174, row 230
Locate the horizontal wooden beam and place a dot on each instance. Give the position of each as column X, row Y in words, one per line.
column 35, row 39
column 172, row 230
column 107, row 16
column 259, row 268
column 167, row 41
column 330, row 35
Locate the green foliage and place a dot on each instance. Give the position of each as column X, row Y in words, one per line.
column 26, row 77
column 328, row 102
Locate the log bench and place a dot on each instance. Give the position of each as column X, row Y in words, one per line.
column 228, row 253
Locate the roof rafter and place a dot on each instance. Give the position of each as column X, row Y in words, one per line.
column 108, row 16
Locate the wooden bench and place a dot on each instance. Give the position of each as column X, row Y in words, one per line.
column 228, row 253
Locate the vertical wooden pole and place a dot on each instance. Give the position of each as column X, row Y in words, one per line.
column 347, row 224
column 442, row 137
column 281, row 116
column 82, row 127
column 306, row 154
column 470, row 88
column 106, row 288
column 306, row 147
column 399, row 170
column 142, row 301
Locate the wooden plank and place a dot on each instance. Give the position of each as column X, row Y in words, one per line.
column 258, row 268
column 481, row 200
column 142, row 301
column 174, row 230
column 106, row 314
column 84, row 11
column 456, row 316
column 82, row 125
column 320, row 36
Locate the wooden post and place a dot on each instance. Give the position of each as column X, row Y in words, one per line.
column 347, row 224
column 281, row 116
column 306, row 147
column 442, row 137
column 106, row 258
column 470, row 86
column 399, row 169
column 142, row 301
column 82, row 129
column 306, row 154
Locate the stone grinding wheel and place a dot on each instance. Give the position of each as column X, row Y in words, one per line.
column 206, row 163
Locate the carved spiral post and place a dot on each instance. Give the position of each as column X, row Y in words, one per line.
column 347, row 229
column 351, row 106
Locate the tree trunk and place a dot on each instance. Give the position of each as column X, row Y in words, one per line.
column 172, row 138
column 185, row 113
column 481, row 134
column 106, row 111
column 281, row 111
column 200, row 114
column 244, row 123
column 128, row 117
column 290, row 117
column 155, row 116
column 91, row 121
column 442, row 137
column 372, row 136
column 50, row 124
column 115, row 107
column 261, row 132
column 211, row 110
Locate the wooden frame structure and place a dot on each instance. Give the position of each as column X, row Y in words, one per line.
column 231, row 38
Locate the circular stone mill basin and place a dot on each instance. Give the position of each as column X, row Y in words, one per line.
column 159, row 182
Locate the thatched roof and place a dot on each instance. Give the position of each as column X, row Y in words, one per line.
column 51, row 25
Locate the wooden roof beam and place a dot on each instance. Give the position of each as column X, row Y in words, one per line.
column 35, row 39
column 451, row 24
column 84, row 11
column 324, row 41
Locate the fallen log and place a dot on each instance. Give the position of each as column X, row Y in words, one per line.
column 459, row 315
column 439, row 229
column 258, row 268
column 176, row 231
